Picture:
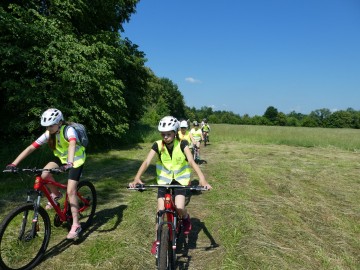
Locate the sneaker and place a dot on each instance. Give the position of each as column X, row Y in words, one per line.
column 74, row 232
column 154, row 247
column 55, row 198
column 187, row 225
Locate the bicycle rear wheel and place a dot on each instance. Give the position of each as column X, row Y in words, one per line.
column 87, row 203
column 22, row 241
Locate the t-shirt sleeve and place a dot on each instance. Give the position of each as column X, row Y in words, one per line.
column 155, row 147
column 183, row 144
column 41, row 140
column 71, row 134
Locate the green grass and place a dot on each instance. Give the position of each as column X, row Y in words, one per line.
column 347, row 139
column 282, row 198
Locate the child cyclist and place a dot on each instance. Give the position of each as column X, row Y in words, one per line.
column 196, row 133
column 172, row 167
column 69, row 155
column 206, row 129
column 184, row 133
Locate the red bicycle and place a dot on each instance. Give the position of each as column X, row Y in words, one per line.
column 25, row 231
column 169, row 225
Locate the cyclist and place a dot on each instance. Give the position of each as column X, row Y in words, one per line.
column 206, row 129
column 184, row 133
column 69, row 156
column 197, row 135
column 172, row 167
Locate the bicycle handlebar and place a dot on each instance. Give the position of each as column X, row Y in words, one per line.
column 141, row 187
column 34, row 170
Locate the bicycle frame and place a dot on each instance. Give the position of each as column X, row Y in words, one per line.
column 172, row 218
column 40, row 188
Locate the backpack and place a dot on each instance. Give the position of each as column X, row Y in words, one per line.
column 80, row 131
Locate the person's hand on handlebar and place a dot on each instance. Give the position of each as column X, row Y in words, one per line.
column 135, row 182
column 66, row 167
column 11, row 167
column 205, row 184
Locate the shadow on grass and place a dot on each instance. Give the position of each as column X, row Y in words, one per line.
column 101, row 218
column 185, row 243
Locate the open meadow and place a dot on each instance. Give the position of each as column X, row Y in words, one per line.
column 282, row 198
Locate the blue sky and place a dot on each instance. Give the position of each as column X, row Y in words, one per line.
column 244, row 56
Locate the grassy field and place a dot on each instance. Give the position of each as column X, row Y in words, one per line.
column 282, row 198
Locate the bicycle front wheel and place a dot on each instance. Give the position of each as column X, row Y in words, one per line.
column 23, row 241
column 87, row 202
column 165, row 255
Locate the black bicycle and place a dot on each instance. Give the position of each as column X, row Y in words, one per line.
column 196, row 154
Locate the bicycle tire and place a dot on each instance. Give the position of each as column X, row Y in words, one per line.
column 86, row 190
column 19, row 249
column 195, row 155
column 165, row 255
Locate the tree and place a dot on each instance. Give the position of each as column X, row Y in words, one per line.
column 281, row 119
column 321, row 117
column 62, row 54
column 340, row 119
column 175, row 100
column 271, row 114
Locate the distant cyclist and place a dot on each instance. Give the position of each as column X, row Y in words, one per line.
column 184, row 133
column 206, row 129
column 197, row 135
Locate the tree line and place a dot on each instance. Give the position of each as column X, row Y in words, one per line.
column 71, row 55
column 324, row 118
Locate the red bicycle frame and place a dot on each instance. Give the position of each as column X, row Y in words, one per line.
column 172, row 219
column 39, row 186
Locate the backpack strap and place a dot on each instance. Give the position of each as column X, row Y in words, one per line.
column 65, row 132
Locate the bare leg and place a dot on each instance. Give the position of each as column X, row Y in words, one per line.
column 180, row 205
column 46, row 175
column 74, row 204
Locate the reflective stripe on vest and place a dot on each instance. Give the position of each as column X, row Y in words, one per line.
column 62, row 147
column 176, row 168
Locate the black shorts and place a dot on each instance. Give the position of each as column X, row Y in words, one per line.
column 74, row 173
column 177, row 191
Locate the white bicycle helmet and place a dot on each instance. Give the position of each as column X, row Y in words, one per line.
column 51, row 117
column 168, row 123
column 183, row 124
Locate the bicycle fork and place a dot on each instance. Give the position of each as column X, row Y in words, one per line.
column 34, row 222
column 172, row 228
